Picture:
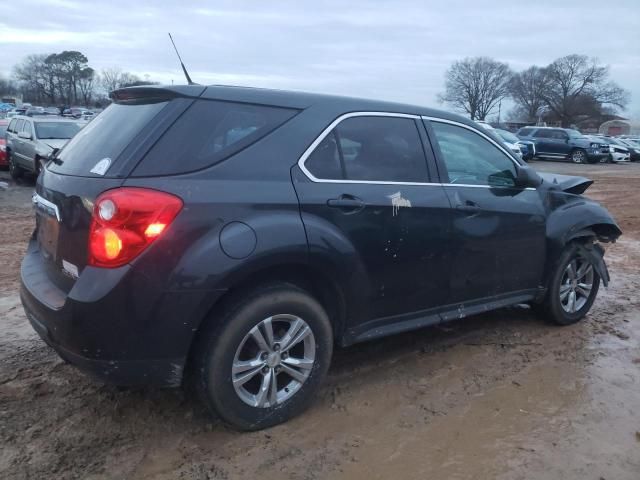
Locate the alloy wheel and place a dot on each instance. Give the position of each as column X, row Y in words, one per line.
column 576, row 284
column 578, row 156
column 273, row 360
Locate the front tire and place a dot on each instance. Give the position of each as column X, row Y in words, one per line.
column 15, row 171
column 572, row 289
column 263, row 361
column 578, row 156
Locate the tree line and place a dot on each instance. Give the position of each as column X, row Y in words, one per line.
column 65, row 78
column 569, row 90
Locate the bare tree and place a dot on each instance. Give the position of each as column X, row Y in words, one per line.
column 576, row 82
column 110, row 78
column 476, row 85
column 527, row 89
column 114, row 78
column 86, row 84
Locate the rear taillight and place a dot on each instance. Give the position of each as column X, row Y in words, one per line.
column 126, row 221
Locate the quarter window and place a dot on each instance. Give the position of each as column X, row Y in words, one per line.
column 370, row 148
column 12, row 124
column 215, row 130
column 471, row 159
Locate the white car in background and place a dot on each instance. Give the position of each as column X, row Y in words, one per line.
column 513, row 146
column 618, row 151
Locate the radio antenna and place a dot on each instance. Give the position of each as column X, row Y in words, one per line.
column 184, row 69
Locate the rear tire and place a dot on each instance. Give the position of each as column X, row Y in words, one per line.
column 573, row 288
column 15, row 170
column 251, row 366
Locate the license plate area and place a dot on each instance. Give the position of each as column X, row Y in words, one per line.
column 48, row 227
column 48, row 231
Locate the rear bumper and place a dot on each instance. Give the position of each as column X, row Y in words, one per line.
column 114, row 324
column 161, row 373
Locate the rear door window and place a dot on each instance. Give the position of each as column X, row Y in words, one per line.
column 371, row 148
column 525, row 132
column 543, row 134
column 18, row 126
column 26, row 128
column 209, row 132
column 104, row 138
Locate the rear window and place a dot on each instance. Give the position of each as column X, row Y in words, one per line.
column 525, row 132
column 207, row 133
column 104, row 138
column 56, row 130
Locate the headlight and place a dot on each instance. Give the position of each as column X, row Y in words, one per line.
column 3, row 148
column 595, row 145
column 611, row 149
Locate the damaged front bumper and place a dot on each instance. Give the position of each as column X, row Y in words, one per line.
column 595, row 254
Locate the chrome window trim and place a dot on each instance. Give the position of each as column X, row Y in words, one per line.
column 38, row 200
column 332, row 125
column 328, row 130
column 475, row 130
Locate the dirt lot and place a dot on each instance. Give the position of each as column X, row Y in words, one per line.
column 504, row 395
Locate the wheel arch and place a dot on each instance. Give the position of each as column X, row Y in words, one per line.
column 310, row 278
column 585, row 223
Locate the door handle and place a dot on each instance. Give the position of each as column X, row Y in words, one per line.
column 346, row 203
column 468, row 207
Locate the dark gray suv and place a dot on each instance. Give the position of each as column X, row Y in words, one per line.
column 564, row 143
column 229, row 237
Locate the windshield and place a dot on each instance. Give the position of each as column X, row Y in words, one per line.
column 104, row 138
column 574, row 133
column 57, row 130
column 507, row 136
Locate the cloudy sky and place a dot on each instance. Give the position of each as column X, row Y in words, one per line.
column 394, row 50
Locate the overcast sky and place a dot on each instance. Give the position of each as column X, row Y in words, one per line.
column 396, row 50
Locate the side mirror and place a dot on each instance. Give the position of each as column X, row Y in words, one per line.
column 25, row 135
column 527, row 177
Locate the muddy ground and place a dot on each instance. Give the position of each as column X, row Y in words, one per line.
column 504, row 395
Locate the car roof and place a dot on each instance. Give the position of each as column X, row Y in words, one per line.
column 292, row 99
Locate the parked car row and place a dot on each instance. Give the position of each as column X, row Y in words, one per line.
column 28, row 141
column 31, row 111
column 565, row 143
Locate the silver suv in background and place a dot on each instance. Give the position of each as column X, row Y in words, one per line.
column 30, row 141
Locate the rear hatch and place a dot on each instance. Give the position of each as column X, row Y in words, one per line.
column 98, row 158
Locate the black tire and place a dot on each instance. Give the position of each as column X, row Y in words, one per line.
column 15, row 170
column 552, row 306
column 223, row 336
column 38, row 165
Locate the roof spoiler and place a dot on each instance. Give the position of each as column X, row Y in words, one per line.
column 153, row 94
